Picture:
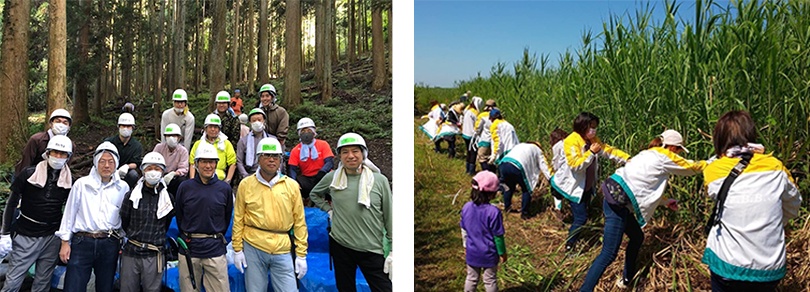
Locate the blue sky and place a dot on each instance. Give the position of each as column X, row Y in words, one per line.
column 455, row 40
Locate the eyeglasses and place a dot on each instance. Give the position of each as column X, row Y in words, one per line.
column 268, row 156
column 106, row 162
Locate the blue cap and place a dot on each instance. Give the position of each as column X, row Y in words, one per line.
column 494, row 112
column 236, row 90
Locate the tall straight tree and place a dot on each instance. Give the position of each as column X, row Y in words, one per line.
column 80, row 89
column 57, row 54
column 216, row 65
column 292, row 36
column 320, row 39
column 325, row 50
column 352, row 32
column 180, row 46
column 333, row 32
column 126, row 36
column 14, row 80
column 251, row 69
column 377, row 48
column 263, row 65
column 390, row 40
column 235, row 44
column 101, row 55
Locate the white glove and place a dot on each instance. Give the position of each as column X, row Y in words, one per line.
column 330, row 214
column 5, row 244
column 168, row 177
column 387, row 268
column 492, row 159
column 239, row 261
column 300, row 266
column 122, row 171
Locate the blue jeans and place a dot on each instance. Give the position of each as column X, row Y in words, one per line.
column 510, row 176
column 580, row 212
column 618, row 221
column 281, row 269
column 720, row 284
column 99, row 255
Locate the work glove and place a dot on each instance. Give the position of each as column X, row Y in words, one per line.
column 492, row 159
column 5, row 244
column 300, row 266
column 168, row 177
column 387, row 267
column 122, row 171
column 239, row 261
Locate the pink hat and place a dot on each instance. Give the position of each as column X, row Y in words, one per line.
column 486, row 180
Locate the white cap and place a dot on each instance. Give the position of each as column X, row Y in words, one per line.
column 223, row 96
column 179, row 95
column 672, row 137
column 60, row 112
column 153, row 158
column 60, row 143
column 268, row 145
column 243, row 118
column 212, row 119
column 205, row 151
column 305, row 123
column 126, row 119
column 172, row 129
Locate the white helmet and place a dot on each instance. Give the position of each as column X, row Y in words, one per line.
column 223, row 96
column 179, row 95
column 126, row 119
column 205, row 151
column 153, row 158
column 257, row 111
column 243, row 119
column 268, row 145
column 268, row 87
column 172, row 129
column 350, row 139
column 60, row 143
column 61, row 113
column 305, row 123
column 107, row 146
column 212, row 119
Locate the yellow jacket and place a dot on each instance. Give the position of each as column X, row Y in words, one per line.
column 263, row 216
column 227, row 157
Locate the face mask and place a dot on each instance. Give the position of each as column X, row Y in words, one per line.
column 257, row 126
column 591, row 133
column 125, row 132
column 60, row 129
column 56, row 163
column 306, row 138
column 178, row 110
column 172, row 141
column 152, row 177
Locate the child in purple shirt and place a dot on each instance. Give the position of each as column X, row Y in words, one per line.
column 482, row 233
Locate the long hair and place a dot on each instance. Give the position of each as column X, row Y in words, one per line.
column 557, row 135
column 583, row 122
column 657, row 142
column 732, row 129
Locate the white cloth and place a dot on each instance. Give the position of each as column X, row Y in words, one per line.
column 40, row 176
column 272, row 181
column 388, row 267
column 557, row 161
column 220, row 142
column 164, row 202
column 529, row 159
column 250, row 149
column 468, row 123
column 93, row 205
column 431, row 128
column 367, row 169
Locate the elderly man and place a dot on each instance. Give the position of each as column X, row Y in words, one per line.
column 181, row 117
column 59, row 124
column 311, row 159
column 277, row 121
column 45, row 189
column 246, row 159
column 145, row 216
column 361, row 216
column 176, row 157
column 227, row 156
column 230, row 121
column 204, row 206
column 90, row 228
column 268, row 209
column 130, row 150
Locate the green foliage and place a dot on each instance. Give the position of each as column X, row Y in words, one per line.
column 423, row 95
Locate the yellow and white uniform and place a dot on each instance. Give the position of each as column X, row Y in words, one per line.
column 558, row 150
column 569, row 180
column 482, row 129
column 504, row 137
column 264, row 213
column 449, row 128
column 431, row 128
column 644, row 179
column 749, row 242
column 469, row 119
column 529, row 159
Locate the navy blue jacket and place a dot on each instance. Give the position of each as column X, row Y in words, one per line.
column 204, row 208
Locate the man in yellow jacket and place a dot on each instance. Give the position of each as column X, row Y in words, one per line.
column 268, row 207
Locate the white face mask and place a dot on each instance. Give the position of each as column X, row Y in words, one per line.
column 591, row 133
column 172, row 141
column 152, row 177
column 60, row 129
column 125, row 132
column 56, row 163
column 178, row 110
column 257, row 126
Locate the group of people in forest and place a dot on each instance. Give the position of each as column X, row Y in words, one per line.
column 231, row 176
column 755, row 195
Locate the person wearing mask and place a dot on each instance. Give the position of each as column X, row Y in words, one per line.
column 176, row 158
column 483, row 138
column 277, row 121
column 504, row 136
column 43, row 190
column 469, row 118
column 268, row 208
column 129, row 150
column 179, row 115
column 745, row 249
column 576, row 179
column 91, row 226
column 236, row 102
column 361, row 216
column 229, row 121
column 203, row 207
column 558, row 159
column 246, row 159
column 522, row 167
column 311, row 159
column 227, row 156
column 59, row 124
column 146, row 213
column 630, row 198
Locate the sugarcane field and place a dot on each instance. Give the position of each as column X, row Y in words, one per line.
column 611, row 146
